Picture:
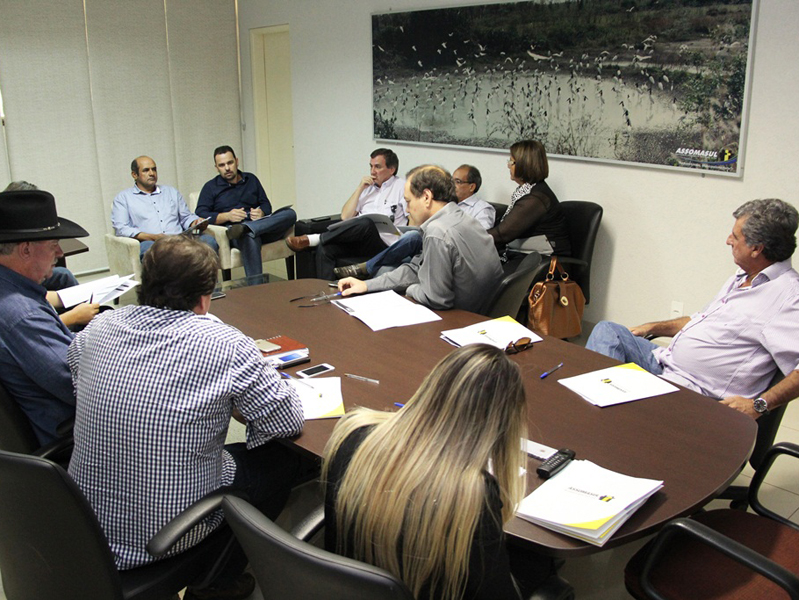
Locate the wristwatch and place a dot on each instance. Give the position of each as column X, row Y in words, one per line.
column 761, row 406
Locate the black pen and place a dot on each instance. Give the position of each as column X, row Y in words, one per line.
column 552, row 370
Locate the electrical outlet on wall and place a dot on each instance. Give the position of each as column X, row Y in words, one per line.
column 676, row 309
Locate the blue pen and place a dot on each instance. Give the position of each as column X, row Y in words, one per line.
column 551, row 370
column 398, row 404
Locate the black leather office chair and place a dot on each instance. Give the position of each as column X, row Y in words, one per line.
column 16, row 433
column 287, row 567
column 52, row 546
column 767, row 427
column 584, row 219
column 722, row 554
column 514, row 288
column 554, row 588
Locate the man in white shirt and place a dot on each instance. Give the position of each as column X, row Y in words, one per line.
column 380, row 192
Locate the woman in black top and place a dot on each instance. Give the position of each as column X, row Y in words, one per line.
column 411, row 491
column 534, row 209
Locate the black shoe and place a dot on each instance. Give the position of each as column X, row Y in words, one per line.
column 240, row 589
column 358, row 271
column 235, row 231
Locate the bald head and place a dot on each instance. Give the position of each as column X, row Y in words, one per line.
column 144, row 173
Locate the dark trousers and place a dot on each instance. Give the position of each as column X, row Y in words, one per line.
column 266, row 474
column 356, row 237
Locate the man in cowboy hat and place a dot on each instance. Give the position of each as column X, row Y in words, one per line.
column 33, row 340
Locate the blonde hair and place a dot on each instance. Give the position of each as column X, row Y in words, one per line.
column 414, row 491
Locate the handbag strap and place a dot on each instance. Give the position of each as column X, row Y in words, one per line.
column 554, row 264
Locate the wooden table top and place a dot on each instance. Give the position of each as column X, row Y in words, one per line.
column 72, row 246
column 694, row 444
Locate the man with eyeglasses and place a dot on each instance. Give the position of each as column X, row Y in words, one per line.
column 467, row 182
column 458, row 266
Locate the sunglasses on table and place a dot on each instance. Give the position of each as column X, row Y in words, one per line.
column 519, row 345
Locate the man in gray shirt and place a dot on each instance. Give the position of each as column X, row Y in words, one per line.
column 458, row 266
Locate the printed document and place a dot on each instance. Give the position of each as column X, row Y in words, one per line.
column 99, row 291
column 321, row 397
column 586, row 501
column 383, row 310
column 496, row 332
column 619, row 384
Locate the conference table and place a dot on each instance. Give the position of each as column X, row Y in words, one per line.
column 693, row 443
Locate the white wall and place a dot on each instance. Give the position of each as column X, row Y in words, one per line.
column 663, row 232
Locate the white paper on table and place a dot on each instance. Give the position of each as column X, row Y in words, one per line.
column 321, row 397
column 99, row 288
column 616, row 385
column 537, row 449
column 383, row 310
column 495, row 332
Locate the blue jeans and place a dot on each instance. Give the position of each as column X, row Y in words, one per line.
column 60, row 279
column 400, row 252
column 259, row 232
column 204, row 238
column 616, row 341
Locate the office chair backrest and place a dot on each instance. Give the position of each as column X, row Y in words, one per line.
column 513, row 289
column 584, row 219
column 767, row 427
column 286, row 567
column 16, row 433
column 51, row 545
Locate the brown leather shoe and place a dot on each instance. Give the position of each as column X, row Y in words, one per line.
column 297, row 242
column 358, row 271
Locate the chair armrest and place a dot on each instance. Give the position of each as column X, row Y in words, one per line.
column 734, row 550
column 310, row 525
column 771, row 455
column 123, row 254
column 60, row 448
column 171, row 533
column 220, row 235
column 315, row 224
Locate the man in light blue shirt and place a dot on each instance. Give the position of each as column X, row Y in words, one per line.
column 148, row 211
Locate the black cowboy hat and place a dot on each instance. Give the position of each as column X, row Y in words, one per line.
column 29, row 215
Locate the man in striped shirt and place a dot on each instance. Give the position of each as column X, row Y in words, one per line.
column 156, row 386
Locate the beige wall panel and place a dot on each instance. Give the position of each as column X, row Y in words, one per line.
column 203, row 68
column 44, row 76
column 131, row 90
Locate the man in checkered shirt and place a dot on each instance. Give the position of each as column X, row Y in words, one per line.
column 156, row 386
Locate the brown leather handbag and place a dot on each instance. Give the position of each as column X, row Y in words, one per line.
column 556, row 305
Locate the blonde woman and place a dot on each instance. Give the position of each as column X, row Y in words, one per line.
column 412, row 491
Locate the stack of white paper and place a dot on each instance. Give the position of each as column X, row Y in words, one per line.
column 99, row 291
column 496, row 332
column 615, row 385
column 586, row 501
column 383, row 310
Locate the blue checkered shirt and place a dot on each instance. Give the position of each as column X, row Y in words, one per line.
column 155, row 392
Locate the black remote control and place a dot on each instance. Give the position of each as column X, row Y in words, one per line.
column 555, row 463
